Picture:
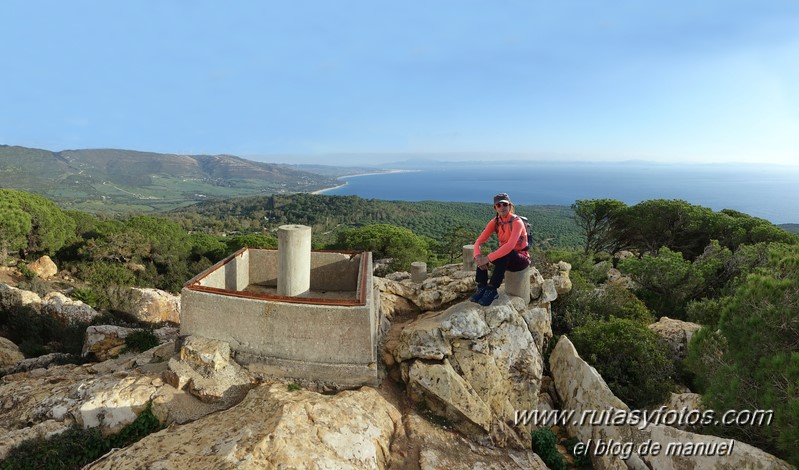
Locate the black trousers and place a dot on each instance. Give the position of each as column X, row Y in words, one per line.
column 513, row 261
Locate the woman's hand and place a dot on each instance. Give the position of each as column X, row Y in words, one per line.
column 482, row 262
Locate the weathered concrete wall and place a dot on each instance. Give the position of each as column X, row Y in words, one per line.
column 313, row 341
column 329, row 271
column 234, row 275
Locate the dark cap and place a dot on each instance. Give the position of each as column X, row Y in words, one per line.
column 502, row 197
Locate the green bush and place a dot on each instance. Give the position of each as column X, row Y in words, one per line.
column 140, row 341
column 629, row 357
column 85, row 295
column 76, row 447
column 587, row 303
column 544, row 444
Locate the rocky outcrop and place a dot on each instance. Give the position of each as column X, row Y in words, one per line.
column 676, row 334
column 105, row 395
column 66, row 310
column 105, row 341
column 582, row 390
column 399, row 295
column 154, row 306
column 9, row 353
column 44, row 267
column 423, row 445
column 446, row 284
column 274, row 428
column 11, row 297
column 205, row 370
column 472, row 365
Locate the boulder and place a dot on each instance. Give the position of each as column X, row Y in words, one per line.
column 66, row 310
column 616, row 278
column 205, row 370
column 426, row 446
column 105, row 341
column 9, row 353
column 561, row 280
column 11, row 297
column 583, row 391
column 154, row 306
column 40, row 401
column 472, row 365
column 676, row 334
column 274, row 428
column 44, row 267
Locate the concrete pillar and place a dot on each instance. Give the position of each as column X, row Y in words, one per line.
column 418, row 271
column 518, row 283
column 293, row 260
column 468, row 258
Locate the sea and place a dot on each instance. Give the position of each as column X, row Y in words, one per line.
column 770, row 192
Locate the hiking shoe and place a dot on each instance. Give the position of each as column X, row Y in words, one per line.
column 478, row 294
column 488, row 296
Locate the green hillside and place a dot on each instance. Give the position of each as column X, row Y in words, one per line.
column 552, row 225
column 108, row 180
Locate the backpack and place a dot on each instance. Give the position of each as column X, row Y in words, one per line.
column 527, row 228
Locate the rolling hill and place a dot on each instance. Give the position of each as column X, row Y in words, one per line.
column 109, row 180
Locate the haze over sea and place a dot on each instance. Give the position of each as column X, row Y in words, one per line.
column 770, row 192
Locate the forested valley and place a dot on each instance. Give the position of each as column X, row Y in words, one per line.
column 736, row 275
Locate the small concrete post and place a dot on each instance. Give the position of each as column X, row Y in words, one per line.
column 293, row 260
column 418, row 271
column 518, row 283
column 468, row 258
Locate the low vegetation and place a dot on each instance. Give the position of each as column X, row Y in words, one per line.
column 77, row 447
column 732, row 273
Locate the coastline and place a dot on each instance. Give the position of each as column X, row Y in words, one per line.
column 386, row 172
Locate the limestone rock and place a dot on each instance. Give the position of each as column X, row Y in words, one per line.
column 206, row 371
column 490, row 365
column 154, row 306
column 561, row 280
column 105, row 341
column 446, row 284
column 423, row 339
column 582, row 390
column 676, row 334
column 9, row 353
column 44, row 267
column 41, row 362
column 536, row 283
column 11, row 297
column 453, row 397
column 274, row 428
column 616, row 278
column 110, row 403
column 43, row 401
column 420, row 444
column 66, row 310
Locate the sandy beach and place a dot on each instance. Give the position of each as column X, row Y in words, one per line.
column 322, row 191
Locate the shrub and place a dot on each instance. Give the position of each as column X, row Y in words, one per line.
column 76, row 447
column 141, row 340
column 544, row 444
column 85, row 295
column 629, row 357
column 586, row 303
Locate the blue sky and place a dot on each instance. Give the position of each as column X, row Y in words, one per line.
column 356, row 81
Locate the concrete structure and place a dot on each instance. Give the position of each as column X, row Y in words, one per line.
column 468, row 258
column 418, row 271
column 294, row 260
column 328, row 334
column 518, row 283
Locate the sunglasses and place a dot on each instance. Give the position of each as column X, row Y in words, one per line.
column 501, row 204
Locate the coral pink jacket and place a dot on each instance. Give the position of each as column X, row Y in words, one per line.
column 512, row 236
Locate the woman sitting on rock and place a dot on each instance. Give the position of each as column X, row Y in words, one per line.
column 510, row 256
